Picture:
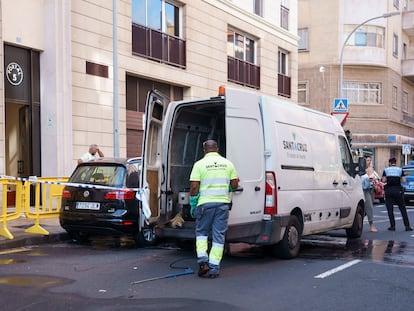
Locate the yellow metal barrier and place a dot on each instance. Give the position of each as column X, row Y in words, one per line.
column 47, row 199
column 8, row 214
column 47, row 194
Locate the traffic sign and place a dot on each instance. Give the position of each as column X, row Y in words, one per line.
column 340, row 105
column 406, row 149
column 340, row 116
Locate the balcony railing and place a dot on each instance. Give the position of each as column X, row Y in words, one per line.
column 244, row 73
column 158, row 46
column 283, row 85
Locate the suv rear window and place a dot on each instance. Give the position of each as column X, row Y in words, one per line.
column 106, row 175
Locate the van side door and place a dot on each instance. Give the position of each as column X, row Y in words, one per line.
column 152, row 173
column 245, row 148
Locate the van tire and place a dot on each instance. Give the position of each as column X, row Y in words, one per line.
column 146, row 237
column 289, row 246
column 357, row 226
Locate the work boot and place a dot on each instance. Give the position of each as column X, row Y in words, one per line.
column 203, row 269
column 408, row 228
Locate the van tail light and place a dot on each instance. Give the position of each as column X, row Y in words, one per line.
column 270, row 195
column 123, row 194
column 66, row 194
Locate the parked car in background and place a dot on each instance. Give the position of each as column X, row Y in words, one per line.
column 409, row 184
column 379, row 191
column 113, row 210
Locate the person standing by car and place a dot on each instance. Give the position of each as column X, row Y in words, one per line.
column 368, row 187
column 211, row 181
column 93, row 153
column 393, row 176
column 378, row 186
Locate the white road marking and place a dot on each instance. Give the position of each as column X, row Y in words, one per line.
column 337, row 269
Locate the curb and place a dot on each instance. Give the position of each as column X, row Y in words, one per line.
column 34, row 240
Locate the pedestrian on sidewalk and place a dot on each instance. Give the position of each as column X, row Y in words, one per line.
column 94, row 153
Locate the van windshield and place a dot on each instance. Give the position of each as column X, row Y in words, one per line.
column 106, row 175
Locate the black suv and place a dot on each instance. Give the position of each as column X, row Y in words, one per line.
column 109, row 210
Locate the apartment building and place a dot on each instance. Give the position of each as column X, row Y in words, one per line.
column 75, row 73
column 378, row 69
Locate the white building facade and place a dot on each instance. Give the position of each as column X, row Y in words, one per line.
column 62, row 93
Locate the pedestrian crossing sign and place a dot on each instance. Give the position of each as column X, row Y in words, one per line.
column 406, row 149
column 340, row 105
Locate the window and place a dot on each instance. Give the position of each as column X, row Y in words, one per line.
column 283, row 62
column 303, row 93
column 365, row 36
column 241, row 52
column 394, row 96
column 346, row 156
column 362, row 92
column 157, row 14
column 283, row 84
column 395, row 45
column 404, row 101
column 156, row 29
column 396, row 4
column 258, row 7
column 404, row 51
column 303, row 39
column 240, row 46
column 284, row 17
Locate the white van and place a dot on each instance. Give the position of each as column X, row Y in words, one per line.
column 297, row 176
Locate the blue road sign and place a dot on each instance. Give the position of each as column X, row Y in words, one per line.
column 340, row 105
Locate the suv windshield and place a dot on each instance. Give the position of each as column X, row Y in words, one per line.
column 409, row 172
column 107, row 175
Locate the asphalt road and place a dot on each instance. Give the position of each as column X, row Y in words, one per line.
column 375, row 272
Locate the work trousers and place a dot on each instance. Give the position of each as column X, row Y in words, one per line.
column 393, row 195
column 211, row 218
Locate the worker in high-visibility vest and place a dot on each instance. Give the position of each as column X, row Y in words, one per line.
column 212, row 179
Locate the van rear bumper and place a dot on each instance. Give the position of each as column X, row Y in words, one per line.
column 263, row 232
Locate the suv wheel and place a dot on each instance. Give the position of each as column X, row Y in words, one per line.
column 146, row 237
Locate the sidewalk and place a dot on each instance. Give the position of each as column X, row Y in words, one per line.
column 18, row 226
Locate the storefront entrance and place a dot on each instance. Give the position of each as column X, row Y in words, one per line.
column 22, row 112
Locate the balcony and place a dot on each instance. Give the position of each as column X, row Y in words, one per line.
column 158, row 46
column 283, row 85
column 408, row 23
column 408, row 69
column 244, row 73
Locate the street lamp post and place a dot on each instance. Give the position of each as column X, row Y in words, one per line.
column 341, row 65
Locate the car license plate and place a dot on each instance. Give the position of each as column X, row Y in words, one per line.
column 88, row 205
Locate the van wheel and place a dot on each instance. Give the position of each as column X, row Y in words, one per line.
column 289, row 246
column 356, row 230
column 146, row 237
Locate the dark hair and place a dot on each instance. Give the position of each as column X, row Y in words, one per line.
column 393, row 160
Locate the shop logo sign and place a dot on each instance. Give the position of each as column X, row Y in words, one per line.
column 14, row 73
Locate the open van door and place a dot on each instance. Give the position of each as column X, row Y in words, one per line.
column 245, row 148
column 152, row 178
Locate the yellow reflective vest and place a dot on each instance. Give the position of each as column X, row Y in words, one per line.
column 214, row 173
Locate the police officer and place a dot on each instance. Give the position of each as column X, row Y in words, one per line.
column 393, row 176
column 211, row 181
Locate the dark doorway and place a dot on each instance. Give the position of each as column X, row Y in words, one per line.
column 22, row 111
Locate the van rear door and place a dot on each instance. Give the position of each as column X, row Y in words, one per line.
column 152, row 169
column 245, row 148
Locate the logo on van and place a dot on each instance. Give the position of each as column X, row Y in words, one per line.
column 294, row 145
